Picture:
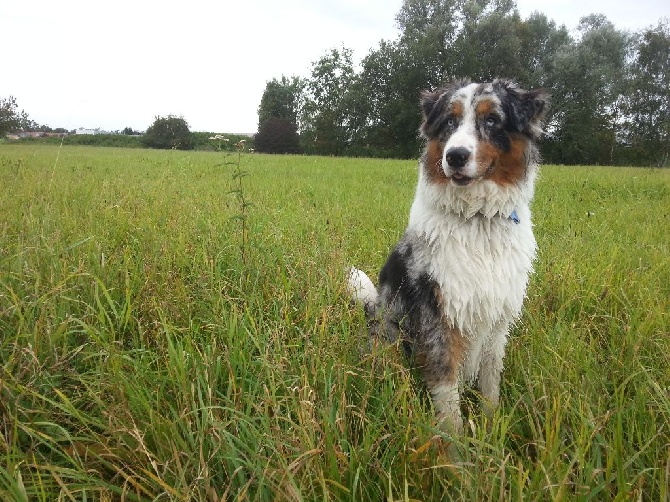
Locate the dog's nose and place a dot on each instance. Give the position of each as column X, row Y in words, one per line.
column 457, row 157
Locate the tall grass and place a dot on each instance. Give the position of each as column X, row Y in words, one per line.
column 144, row 358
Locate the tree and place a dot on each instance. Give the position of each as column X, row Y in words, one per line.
column 169, row 132
column 434, row 20
column 587, row 87
column 281, row 99
column 392, row 80
column 540, row 39
column 277, row 135
column 325, row 117
column 488, row 43
column 647, row 104
column 11, row 118
column 610, row 91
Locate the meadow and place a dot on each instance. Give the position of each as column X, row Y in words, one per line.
column 174, row 326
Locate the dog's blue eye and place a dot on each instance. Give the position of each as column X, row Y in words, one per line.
column 451, row 122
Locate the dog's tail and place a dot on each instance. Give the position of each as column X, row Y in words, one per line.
column 362, row 290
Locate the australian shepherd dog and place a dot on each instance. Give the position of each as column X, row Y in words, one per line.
column 456, row 281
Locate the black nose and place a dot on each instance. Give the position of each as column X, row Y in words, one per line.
column 457, row 157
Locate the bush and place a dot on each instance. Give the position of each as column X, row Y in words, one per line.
column 277, row 135
column 204, row 141
column 169, row 132
column 115, row 140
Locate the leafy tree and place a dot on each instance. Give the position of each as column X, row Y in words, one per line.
column 325, row 117
column 169, row 132
column 434, row 20
column 11, row 118
column 393, row 77
column 488, row 44
column 540, row 39
column 587, row 87
column 281, row 99
column 610, row 91
column 648, row 98
column 277, row 135
column 128, row 131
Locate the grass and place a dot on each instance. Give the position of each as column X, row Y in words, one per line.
column 142, row 357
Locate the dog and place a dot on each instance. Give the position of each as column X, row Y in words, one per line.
column 455, row 283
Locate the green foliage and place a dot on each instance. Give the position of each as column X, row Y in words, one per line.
column 201, row 141
column 169, row 132
column 281, row 99
column 141, row 359
column 647, row 98
column 587, row 92
column 221, row 142
column 609, row 89
column 326, row 117
column 116, row 140
column 277, row 135
column 11, row 118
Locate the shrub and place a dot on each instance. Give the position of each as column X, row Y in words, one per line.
column 277, row 135
column 169, row 132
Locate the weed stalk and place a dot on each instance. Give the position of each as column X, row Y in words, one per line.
column 242, row 200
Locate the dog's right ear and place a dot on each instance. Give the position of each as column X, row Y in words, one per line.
column 434, row 105
column 428, row 101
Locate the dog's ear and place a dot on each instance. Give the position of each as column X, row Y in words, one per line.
column 432, row 106
column 530, row 111
column 428, row 101
column 524, row 109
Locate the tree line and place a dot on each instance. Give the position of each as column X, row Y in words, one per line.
column 610, row 87
column 169, row 132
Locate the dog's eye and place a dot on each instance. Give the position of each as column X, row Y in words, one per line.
column 451, row 121
column 491, row 120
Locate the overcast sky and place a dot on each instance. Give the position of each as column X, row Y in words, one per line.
column 84, row 63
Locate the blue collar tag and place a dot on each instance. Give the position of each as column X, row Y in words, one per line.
column 514, row 217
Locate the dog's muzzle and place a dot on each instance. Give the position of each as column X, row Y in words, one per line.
column 457, row 158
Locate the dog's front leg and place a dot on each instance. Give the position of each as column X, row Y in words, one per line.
column 441, row 357
column 491, row 369
column 447, row 404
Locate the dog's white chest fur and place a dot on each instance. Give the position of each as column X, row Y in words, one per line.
column 481, row 263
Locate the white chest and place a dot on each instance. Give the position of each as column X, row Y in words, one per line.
column 481, row 264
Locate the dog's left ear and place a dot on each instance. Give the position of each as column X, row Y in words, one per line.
column 432, row 105
column 525, row 109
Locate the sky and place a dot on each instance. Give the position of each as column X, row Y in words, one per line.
column 111, row 65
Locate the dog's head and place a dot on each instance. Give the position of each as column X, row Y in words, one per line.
column 481, row 131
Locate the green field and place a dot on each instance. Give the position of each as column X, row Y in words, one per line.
column 162, row 341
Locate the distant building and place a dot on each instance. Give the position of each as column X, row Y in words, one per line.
column 83, row 130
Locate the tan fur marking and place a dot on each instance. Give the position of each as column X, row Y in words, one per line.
column 458, row 344
column 434, row 162
column 433, row 369
column 454, row 340
column 508, row 167
column 457, row 108
column 448, row 355
column 484, row 107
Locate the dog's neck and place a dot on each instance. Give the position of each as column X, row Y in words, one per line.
column 513, row 216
